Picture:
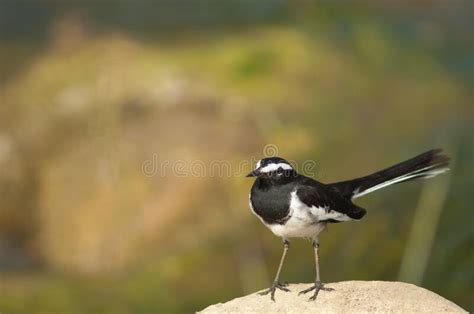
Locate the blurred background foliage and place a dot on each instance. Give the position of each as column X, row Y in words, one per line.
column 92, row 91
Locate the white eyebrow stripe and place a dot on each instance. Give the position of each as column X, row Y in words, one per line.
column 259, row 163
column 273, row 167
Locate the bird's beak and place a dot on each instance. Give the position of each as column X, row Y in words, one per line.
column 254, row 173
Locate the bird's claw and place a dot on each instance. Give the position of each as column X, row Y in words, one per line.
column 272, row 289
column 316, row 287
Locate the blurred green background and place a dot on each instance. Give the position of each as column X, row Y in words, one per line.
column 93, row 91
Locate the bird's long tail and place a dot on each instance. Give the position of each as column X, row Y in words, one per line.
column 426, row 165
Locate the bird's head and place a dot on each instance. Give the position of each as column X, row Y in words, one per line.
column 273, row 168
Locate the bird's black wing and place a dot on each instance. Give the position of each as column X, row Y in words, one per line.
column 313, row 193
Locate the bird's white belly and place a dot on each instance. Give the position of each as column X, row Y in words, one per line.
column 294, row 228
column 305, row 221
column 302, row 223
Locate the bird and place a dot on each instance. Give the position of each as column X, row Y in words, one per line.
column 292, row 205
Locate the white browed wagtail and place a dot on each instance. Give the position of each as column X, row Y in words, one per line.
column 293, row 205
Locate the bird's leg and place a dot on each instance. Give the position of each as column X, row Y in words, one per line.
column 276, row 284
column 317, row 284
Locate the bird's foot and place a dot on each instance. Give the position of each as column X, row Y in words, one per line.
column 316, row 287
column 272, row 289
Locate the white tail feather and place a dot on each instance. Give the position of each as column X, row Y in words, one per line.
column 424, row 173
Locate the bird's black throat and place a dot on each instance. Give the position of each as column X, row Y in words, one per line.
column 271, row 198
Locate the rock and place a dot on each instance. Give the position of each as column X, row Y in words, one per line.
column 348, row 296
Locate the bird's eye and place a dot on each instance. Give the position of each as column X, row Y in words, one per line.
column 280, row 170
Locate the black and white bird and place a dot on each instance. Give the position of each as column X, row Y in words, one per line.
column 293, row 205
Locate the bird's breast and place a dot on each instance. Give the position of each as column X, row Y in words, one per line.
column 272, row 206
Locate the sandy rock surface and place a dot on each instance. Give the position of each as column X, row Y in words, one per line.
column 347, row 297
